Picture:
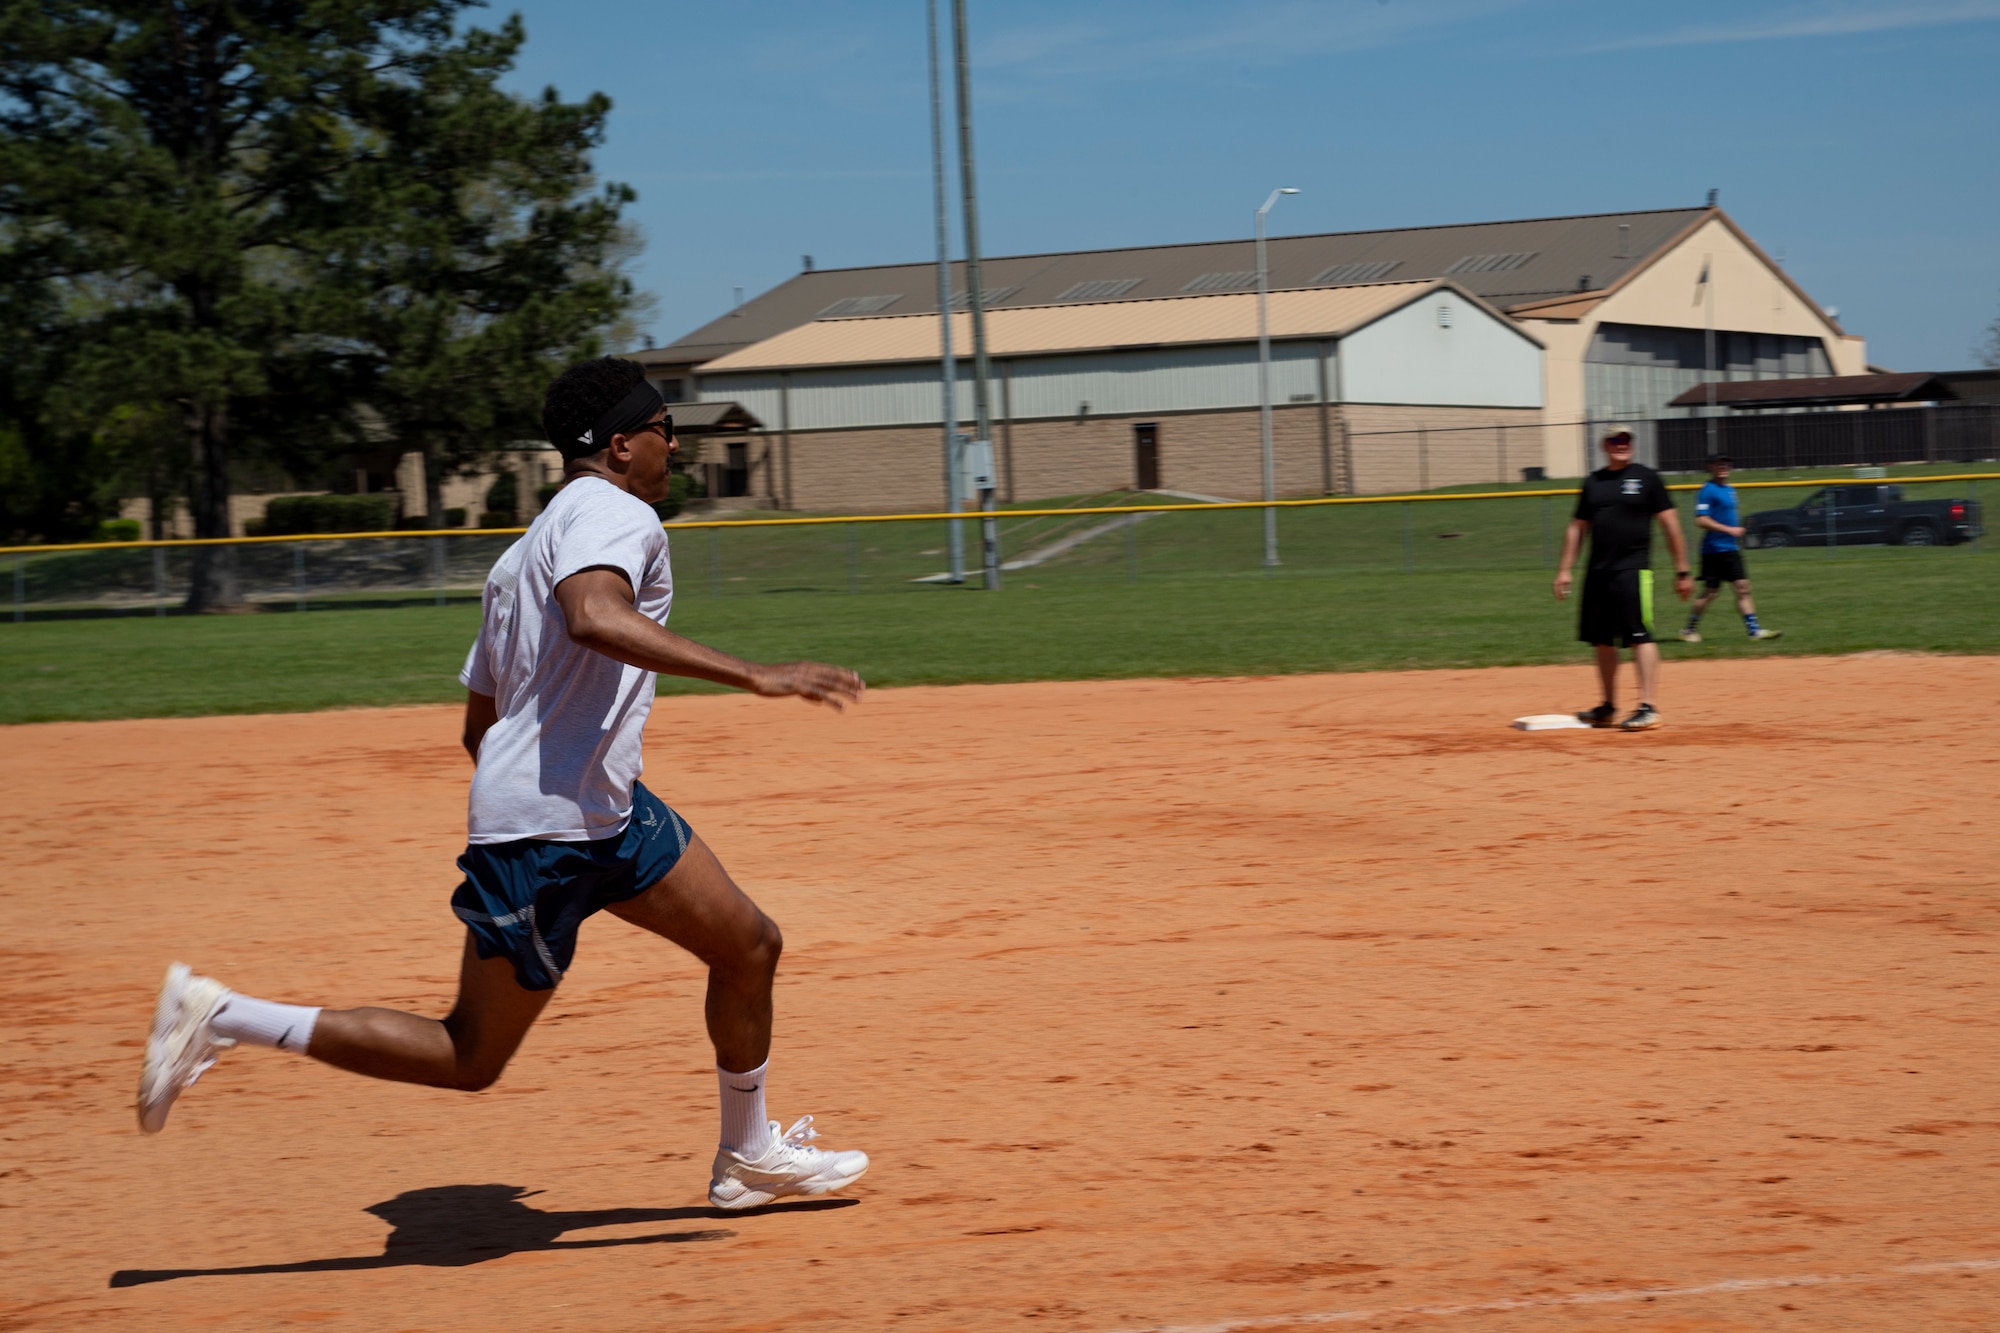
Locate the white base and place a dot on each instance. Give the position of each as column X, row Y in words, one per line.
column 1549, row 722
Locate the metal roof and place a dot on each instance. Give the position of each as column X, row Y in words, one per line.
column 1562, row 256
column 1219, row 317
column 1978, row 386
column 700, row 418
column 1824, row 390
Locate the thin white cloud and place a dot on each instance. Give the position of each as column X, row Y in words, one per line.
column 1821, row 21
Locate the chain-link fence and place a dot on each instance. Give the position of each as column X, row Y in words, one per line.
column 1050, row 547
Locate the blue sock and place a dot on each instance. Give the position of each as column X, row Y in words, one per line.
column 1750, row 624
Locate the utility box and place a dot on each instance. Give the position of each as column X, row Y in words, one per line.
column 976, row 467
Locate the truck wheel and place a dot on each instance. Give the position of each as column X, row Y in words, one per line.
column 1776, row 539
column 1920, row 534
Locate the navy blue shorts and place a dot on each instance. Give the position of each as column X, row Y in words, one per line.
column 523, row 901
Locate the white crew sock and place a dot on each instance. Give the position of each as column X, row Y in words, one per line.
column 286, row 1027
column 745, row 1129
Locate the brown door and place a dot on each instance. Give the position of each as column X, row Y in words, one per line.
column 1146, row 455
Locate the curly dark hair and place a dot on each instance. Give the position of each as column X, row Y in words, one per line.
column 580, row 395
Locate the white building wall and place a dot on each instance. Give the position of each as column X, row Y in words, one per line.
column 1111, row 383
column 1179, row 379
column 1413, row 356
column 761, row 395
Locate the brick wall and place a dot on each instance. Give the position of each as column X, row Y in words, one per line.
column 1210, row 453
column 886, row 470
column 1431, row 448
column 900, row 468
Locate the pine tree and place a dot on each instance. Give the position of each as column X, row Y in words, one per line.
column 260, row 214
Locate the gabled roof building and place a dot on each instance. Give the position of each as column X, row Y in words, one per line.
column 1549, row 325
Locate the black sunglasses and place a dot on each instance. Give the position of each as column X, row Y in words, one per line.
column 665, row 425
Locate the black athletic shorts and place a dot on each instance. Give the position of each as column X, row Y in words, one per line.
column 1617, row 607
column 1720, row 567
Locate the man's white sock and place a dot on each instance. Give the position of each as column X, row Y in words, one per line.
column 745, row 1129
column 287, row 1027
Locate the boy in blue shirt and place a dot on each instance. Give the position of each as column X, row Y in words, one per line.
column 1715, row 513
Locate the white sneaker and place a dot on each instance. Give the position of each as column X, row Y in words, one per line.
column 182, row 1045
column 788, row 1166
column 1690, row 636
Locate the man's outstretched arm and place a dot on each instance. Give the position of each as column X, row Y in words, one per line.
column 597, row 604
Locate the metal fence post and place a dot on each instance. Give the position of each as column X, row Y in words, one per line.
column 437, row 566
column 1829, row 523
column 1409, row 540
column 299, row 576
column 1548, row 534
column 159, row 580
column 20, row 588
column 1131, row 548
column 715, row 560
column 853, row 558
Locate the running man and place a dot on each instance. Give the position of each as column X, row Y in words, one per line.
column 1618, row 505
column 1715, row 513
column 559, row 683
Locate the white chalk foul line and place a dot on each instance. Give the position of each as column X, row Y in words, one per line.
column 1574, row 1298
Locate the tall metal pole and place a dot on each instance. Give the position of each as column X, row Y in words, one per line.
column 1264, row 384
column 954, row 530
column 975, row 300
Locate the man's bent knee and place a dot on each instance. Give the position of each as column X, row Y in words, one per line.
column 758, row 950
column 769, row 946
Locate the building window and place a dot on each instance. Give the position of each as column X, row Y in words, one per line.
column 672, row 390
column 1773, row 354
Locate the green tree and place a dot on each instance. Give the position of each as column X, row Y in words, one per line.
column 1989, row 352
column 484, row 263
column 232, row 203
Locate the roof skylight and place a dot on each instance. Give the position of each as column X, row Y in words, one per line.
column 859, row 305
column 1104, row 289
column 1342, row 274
column 1491, row 263
column 1223, row 282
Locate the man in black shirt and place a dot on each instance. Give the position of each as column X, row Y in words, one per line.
column 1618, row 505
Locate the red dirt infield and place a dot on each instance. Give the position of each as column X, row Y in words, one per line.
column 1236, row 1004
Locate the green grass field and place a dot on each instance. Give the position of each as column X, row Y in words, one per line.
column 1179, row 603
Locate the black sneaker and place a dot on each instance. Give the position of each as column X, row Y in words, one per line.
column 1600, row 716
column 1643, row 719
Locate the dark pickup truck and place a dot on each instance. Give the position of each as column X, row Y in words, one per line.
column 1862, row 515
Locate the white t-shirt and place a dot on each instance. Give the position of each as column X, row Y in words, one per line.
column 561, row 760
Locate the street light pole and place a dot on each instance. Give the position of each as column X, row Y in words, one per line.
column 1264, row 383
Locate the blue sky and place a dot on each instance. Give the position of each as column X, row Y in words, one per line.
column 1860, row 138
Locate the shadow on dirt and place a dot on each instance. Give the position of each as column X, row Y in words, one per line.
column 452, row 1226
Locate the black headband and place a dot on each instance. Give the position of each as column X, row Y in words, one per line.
column 634, row 410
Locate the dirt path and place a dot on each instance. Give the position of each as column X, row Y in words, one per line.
column 1157, row 1003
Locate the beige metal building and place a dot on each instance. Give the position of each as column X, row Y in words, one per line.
column 1152, row 395
column 1617, row 300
